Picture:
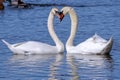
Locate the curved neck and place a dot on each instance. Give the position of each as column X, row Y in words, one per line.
column 52, row 33
column 74, row 25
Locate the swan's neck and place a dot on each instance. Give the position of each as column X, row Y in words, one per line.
column 74, row 25
column 52, row 33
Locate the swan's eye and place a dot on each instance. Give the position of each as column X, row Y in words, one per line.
column 56, row 11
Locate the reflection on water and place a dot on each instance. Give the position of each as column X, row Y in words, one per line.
column 54, row 67
column 98, row 67
column 74, row 68
column 25, row 60
column 44, row 66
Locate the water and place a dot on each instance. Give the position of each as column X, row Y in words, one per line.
column 18, row 25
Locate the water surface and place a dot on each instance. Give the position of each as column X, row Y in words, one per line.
column 18, row 25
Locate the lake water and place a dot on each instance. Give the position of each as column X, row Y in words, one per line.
column 96, row 16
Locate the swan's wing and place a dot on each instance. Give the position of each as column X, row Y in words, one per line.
column 93, row 45
column 18, row 44
column 33, row 47
column 30, row 44
column 96, row 38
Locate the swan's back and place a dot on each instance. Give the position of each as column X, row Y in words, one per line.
column 33, row 47
column 96, row 39
column 93, row 45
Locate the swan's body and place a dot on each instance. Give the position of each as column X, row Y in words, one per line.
column 33, row 47
column 93, row 45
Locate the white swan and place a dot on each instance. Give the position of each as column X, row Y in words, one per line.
column 33, row 47
column 93, row 45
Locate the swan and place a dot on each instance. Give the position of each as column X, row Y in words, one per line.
column 34, row 47
column 93, row 45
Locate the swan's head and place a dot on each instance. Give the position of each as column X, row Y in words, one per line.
column 55, row 12
column 64, row 11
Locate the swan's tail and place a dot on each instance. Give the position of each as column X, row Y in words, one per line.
column 108, row 46
column 110, row 43
column 8, row 44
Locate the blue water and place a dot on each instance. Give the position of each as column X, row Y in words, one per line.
column 96, row 16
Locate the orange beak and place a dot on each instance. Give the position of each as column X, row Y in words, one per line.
column 61, row 16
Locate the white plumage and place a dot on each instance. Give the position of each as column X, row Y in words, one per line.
column 34, row 47
column 93, row 45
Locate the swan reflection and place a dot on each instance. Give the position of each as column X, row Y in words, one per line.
column 74, row 67
column 25, row 60
column 98, row 67
column 42, row 66
column 54, row 67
